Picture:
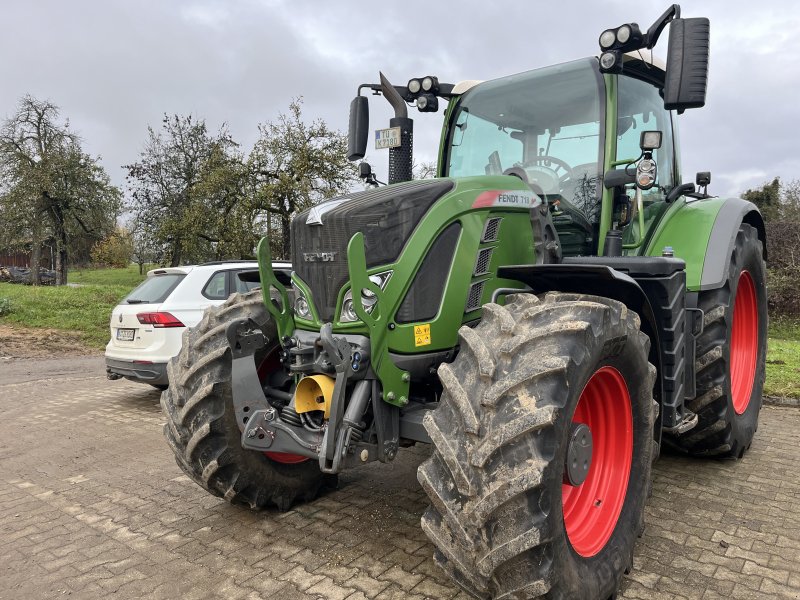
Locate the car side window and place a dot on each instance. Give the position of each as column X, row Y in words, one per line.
column 246, row 284
column 215, row 287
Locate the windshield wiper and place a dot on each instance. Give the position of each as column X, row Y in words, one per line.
column 135, row 301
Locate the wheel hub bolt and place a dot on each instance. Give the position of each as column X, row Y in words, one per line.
column 579, row 455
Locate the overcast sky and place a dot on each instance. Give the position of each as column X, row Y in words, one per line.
column 116, row 67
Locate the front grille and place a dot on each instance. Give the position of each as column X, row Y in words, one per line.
column 474, row 297
column 483, row 260
column 386, row 216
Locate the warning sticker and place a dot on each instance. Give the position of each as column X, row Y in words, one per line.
column 422, row 335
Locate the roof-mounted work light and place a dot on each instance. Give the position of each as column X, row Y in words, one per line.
column 424, row 90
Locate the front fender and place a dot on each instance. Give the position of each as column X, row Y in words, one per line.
column 702, row 233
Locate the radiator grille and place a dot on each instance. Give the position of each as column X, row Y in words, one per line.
column 386, row 216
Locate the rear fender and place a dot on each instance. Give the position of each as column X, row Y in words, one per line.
column 702, row 233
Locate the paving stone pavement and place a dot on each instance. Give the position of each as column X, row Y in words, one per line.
column 92, row 505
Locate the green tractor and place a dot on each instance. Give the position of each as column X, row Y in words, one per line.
column 546, row 313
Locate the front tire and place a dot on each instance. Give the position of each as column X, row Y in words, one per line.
column 504, row 517
column 201, row 424
column 731, row 356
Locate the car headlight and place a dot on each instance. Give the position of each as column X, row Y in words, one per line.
column 368, row 298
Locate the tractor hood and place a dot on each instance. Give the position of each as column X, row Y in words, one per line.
column 386, row 216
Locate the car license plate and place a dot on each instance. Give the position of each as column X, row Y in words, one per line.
column 125, row 335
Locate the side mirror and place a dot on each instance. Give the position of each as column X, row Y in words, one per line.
column 364, row 170
column 703, row 178
column 687, row 64
column 358, row 130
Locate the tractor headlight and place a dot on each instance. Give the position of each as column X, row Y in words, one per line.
column 368, row 298
column 302, row 308
column 348, row 310
column 414, row 86
column 623, row 34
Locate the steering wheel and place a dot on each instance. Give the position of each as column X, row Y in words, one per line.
column 546, row 161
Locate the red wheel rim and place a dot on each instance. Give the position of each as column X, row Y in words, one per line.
column 286, row 458
column 271, row 363
column 744, row 343
column 591, row 510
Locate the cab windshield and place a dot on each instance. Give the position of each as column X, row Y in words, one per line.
column 543, row 126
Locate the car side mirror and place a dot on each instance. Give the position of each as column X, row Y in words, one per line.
column 358, row 129
column 687, row 64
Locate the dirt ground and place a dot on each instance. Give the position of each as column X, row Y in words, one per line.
column 24, row 342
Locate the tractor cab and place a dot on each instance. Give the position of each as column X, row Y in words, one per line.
column 546, row 128
column 560, row 129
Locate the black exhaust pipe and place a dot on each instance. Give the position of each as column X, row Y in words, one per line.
column 401, row 158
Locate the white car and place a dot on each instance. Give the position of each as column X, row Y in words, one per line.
column 148, row 324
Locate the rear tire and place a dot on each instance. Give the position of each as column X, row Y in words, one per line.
column 501, row 439
column 731, row 356
column 201, row 424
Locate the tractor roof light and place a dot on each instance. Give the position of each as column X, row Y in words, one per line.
column 427, row 103
column 430, row 84
column 611, row 61
column 607, row 39
column 624, row 38
column 414, row 86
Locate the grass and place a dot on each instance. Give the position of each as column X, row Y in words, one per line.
column 783, row 359
column 129, row 276
column 85, row 309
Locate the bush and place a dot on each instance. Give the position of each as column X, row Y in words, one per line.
column 5, row 307
column 783, row 273
column 115, row 250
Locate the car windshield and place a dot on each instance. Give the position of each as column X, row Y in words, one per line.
column 544, row 126
column 154, row 289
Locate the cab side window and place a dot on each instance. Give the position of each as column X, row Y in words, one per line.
column 641, row 108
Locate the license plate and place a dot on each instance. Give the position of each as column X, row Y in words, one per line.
column 387, row 138
column 125, row 335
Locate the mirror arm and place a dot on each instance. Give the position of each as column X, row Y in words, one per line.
column 652, row 35
column 678, row 191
